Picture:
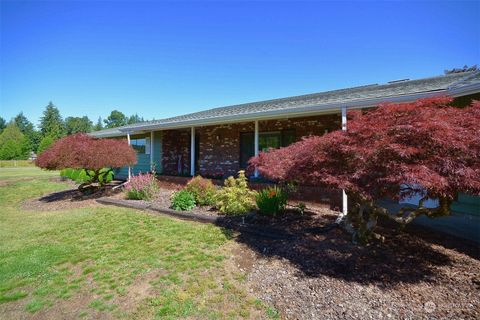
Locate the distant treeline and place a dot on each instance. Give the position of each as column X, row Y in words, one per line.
column 19, row 139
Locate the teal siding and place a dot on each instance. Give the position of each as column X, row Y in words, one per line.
column 157, row 151
column 467, row 204
column 143, row 160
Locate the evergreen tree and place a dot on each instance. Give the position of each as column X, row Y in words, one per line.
column 13, row 143
column 135, row 119
column 46, row 142
column 99, row 125
column 115, row 119
column 3, row 124
column 28, row 130
column 51, row 123
column 78, row 125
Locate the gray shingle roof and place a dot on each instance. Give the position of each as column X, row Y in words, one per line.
column 107, row 133
column 321, row 101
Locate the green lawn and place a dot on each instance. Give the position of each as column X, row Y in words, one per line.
column 111, row 262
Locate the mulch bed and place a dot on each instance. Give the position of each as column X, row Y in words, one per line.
column 321, row 274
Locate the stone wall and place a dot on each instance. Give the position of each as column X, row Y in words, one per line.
column 176, row 152
column 219, row 146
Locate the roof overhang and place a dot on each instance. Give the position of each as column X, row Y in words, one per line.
column 311, row 110
column 328, row 108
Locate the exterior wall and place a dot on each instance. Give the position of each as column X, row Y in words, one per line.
column 219, row 147
column 176, row 152
column 143, row 160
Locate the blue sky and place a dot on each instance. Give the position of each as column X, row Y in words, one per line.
column 161, row 59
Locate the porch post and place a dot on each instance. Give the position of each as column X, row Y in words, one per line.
column 129, row 168
column 344, row 195
column 151, row 150
column 192, row 152
column 256, row 145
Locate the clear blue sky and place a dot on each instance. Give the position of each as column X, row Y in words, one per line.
column 164, row 59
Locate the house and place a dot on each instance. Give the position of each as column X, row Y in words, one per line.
column 218, row 142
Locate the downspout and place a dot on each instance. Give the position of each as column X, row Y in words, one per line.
column 256, row 146
column 152, row 164
column 344, row 195
column 129, row 168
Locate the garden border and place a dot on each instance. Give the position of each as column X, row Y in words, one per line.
column 235, row 223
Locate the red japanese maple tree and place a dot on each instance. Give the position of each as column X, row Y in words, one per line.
column 426, row 147
column 81, row 151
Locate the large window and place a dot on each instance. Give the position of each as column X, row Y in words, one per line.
column 141, row 145
column 266, row 140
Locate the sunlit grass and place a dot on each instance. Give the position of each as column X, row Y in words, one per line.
column 47, row 257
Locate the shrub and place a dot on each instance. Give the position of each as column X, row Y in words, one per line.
column 105, row 175
column 203, row 190
column 272, row 200
column 235, row 197
column 425, row 148
column 80, row 151
column 183, row 200
column 142, row 187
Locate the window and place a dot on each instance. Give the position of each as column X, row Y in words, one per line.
column 139, row 145
column 147, row 145
column 266, row 140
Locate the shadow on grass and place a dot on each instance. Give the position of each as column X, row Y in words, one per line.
column 316, row 248
column 76, row 195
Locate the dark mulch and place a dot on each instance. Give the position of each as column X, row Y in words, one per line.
column 321, row 274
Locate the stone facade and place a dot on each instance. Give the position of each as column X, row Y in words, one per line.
column 176, row 152
column 218, row 150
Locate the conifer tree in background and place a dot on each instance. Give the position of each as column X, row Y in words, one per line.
column 78, row 125
column 51, row 123
column 27, row 128
column 99, row 125
column 46, row 142
column 3, row 124
column 115, row 119
column 135, row 119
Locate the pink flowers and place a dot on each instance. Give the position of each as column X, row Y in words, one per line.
column 142, row 187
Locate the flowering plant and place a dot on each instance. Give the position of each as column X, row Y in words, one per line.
column 272, row 200
column 142, row 187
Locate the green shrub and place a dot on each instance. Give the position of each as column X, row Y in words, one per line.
column 103, row 176
column 203, row 190
column 142, row 187
column 183, row 200
column 235, row 197
column 271, row 200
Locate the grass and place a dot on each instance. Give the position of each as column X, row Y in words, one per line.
column 108, row 261
column 16, row 163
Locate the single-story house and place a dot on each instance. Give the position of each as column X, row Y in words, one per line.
column 219, row 142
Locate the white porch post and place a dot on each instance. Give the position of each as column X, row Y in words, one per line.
column 344, row 195
column 256, row 145
column 129, row 168
column 151, row 150
column 192, row 152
